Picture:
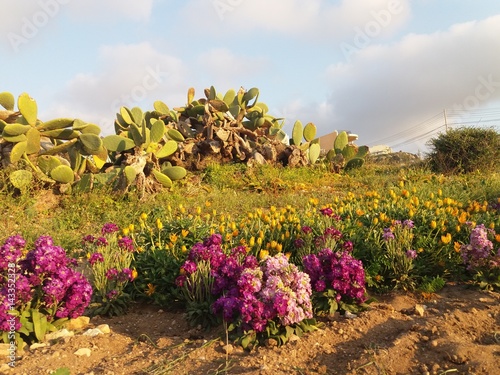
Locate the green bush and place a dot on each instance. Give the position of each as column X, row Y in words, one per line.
column 465, row 150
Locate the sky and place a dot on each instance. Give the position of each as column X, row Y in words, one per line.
column 394, row 72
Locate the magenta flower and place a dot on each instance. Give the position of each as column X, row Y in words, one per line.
column 96, row 257
column 109, row 228
column 126, row 243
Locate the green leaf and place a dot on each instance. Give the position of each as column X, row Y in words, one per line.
column 28, row 108
column 33, row 138
column 137, row 115
column 162, row 179
column 7, row 101
column 21, row 179
column 297, row 133
column 18, row 151
column 91, row 142
column 161, row 107
column 15, row 129
column 157, row 131
column 253, row 93
column 126, row 115
column 175, row 135
column 39, row 323
column 309, row 132
column 219, row 105
column 135, row 132
column 117, row 143
column 59, row 123
column 169, row 148
column 63, row 174
column 340, row 142
column 314, row 152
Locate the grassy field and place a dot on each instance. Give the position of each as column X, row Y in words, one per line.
column 230, row 189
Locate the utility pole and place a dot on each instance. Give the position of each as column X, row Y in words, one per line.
column 445, row 121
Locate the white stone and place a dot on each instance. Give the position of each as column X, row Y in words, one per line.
column 59, row 334
column 92, row 332
column 83, row 351
column 38, row 345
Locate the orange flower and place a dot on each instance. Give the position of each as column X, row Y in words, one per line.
column 457, row 246
column 151, row 289
column 446, row 239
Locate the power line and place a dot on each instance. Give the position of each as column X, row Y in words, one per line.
column 449, row 118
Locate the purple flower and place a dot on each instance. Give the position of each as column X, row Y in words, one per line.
column 411, row 254
column 112, row 294
column 88, row 239
column 388, row 235
column 125, row 275
column 189, row 267
column 96, row 257
column 109, row 228
column 44, row 278
column 333, row 233
column 126, row 243
column 327, row 211
column 299, row 243
column 101, row 241
column 319, row 286
column 348, row 246
column 306, row 229
column 111, row 274
column 408, row 224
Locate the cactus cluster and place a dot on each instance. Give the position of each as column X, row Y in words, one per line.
column 152, row 149
column 345, row 154
column 311, row 144
column 40, row 144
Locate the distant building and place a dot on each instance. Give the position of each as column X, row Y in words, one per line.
column 380, row 150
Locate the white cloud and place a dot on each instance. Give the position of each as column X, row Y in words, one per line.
column 224, row 68
column 318, row 19
column 128, row 75
column 110, row 10
column 387, row 88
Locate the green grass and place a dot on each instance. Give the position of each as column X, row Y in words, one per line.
column 232, row 189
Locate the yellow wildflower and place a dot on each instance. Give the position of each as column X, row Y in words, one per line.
column 159, row 224
column 457, row 246
column 446, row 239
column 263, row 254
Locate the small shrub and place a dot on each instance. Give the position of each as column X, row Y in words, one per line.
column 465, row 150
column 110, row 258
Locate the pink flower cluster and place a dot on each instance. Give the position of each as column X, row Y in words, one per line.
column 339, row 271
column 479, row 252
column 43, row 279
column 252, row 293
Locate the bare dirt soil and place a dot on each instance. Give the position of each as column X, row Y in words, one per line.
column 456, row 331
